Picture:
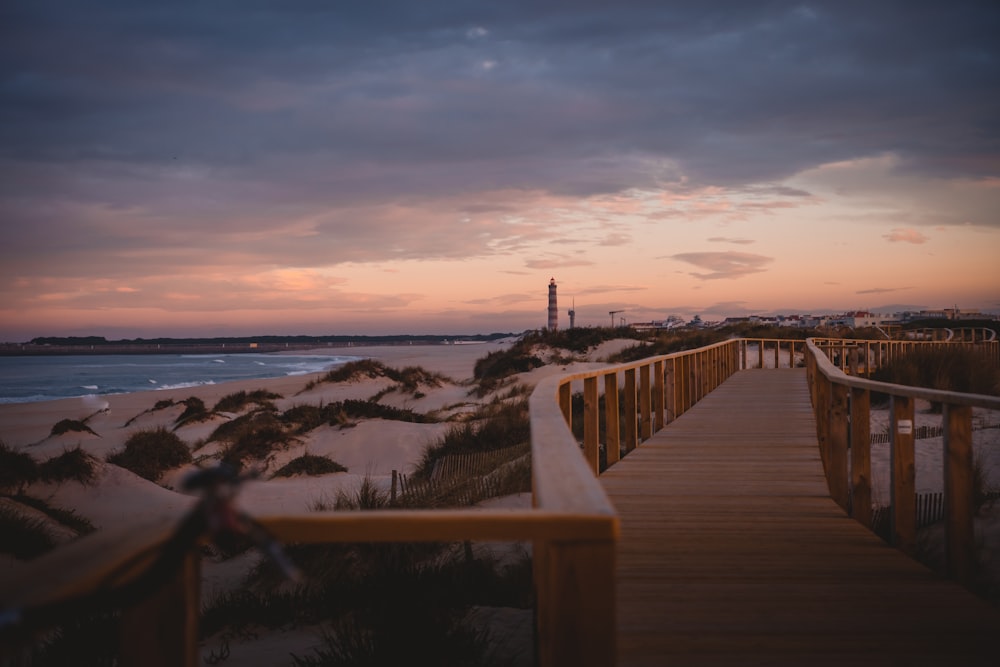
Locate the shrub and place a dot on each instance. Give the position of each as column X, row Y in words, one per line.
column 68, row 518
column 194, row 411
column 498, row 425
column 149, row 453
column 24, row 537
column 17, row 469
column 304, row 418
column 309, row 464
column 68, row 425
column 73, row 464
column 238, row 400
column 252, row 437
column 948, row 368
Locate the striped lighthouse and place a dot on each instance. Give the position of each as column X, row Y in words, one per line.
column 553, row 308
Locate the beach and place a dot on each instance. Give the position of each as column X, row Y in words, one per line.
column 371, row 449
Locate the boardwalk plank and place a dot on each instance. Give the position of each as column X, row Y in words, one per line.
column 733, row 553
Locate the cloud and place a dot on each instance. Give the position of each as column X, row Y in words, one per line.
column 882, row 290
column 725, row 239
column 724, row 265
column 900, row 234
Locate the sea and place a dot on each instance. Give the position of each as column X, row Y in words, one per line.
column 25, row 379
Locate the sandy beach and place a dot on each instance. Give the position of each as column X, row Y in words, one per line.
column 369, row 449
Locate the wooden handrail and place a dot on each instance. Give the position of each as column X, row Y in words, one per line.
column 572, row 523
column 842, row 406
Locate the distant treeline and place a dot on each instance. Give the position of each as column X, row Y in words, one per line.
column 269, row 340
column 56, row 345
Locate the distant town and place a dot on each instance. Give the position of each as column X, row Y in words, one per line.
column 858, row 319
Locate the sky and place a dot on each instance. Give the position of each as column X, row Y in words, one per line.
column 242, row 167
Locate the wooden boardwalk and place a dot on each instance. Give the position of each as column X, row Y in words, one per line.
column 733, row 553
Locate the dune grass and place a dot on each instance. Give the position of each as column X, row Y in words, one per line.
column 151, row 452
column 24, row 537
column 236, row 401
column 70, row 426
column 309, row 464
column 497, row 425
column 409, row 378
column 17, row 469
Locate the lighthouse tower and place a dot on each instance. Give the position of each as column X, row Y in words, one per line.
column 553, row 308
column 572, row 315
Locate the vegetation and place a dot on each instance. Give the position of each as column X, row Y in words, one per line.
column 948, row 368
column 309, row 464
column 498, row 425
column 70, row 425
column 666, row 343
column 17, row 469
column 194, row 411
column 238, row 400
column 151, row 452
column 73, row 464
column 409, row 378
column 252, row 437
column 25, row 537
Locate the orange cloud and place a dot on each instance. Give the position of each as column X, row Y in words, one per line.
column 901, row 234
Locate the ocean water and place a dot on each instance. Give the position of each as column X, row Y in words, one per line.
column 43, row 378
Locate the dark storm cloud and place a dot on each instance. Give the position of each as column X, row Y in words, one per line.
column 241, row 113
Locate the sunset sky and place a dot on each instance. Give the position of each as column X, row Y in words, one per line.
column 241, row 167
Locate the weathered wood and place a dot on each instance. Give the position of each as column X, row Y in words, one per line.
column 566, row 402
column 612, row 425
column 591, row 424
column 903, row 475
column 645, row 423
column 630, row 411
column 670, row 390
column 162, row 629
column 960, row 550
column 658, row 396
column 861, row 467
column 576, row 604
column 838, row 434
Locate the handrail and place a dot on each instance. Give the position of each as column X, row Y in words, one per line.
column 842, row 405
column 572, row 523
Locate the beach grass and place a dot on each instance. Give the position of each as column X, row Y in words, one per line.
column 151, row 452
column 309, row 464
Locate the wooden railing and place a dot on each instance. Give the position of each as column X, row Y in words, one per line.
column 842, row 405
column 572, row 524
column 863, row 357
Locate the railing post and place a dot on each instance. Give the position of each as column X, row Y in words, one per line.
column 612, row 433
column 861, row 466
column 777, row 351
column 670, row 390
column 838, row 433
column 904, row 499
column 644, row 405
column 162, row 629
column 576, row 604
column 591, row 425
column 658, row 420
column 822, row 411
column 566, row 402
column 959, row 502
column 630, row 412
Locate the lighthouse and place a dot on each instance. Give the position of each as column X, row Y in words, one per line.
column 553, row 308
